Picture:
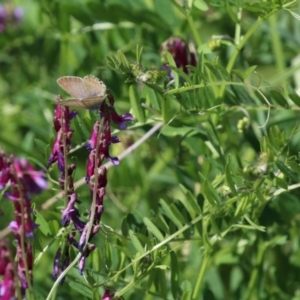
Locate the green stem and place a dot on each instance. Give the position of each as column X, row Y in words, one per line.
column 194, row 30
column 63, row 55
column 237, row 35
column 255, row 271
column 277, row 48
column 242, row 43
column 201, row 274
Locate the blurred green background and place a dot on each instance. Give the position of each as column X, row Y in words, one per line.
column 225, row 257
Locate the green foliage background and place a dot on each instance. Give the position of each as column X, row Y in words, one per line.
column 208, row 207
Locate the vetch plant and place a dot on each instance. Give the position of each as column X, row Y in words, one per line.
column 208, row 207
column 98, row 147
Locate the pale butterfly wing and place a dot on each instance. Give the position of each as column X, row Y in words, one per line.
column 88, row 103
column 89, row 91
column 74, row 86
column 73, row 103
column 94, row 87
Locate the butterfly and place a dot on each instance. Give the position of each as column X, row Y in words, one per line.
column 88, row 92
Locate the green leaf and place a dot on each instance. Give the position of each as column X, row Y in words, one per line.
column 229, row 178
column 223, row 72
column 135, row 102
column 43, row 225
column 80, row 133
column 151, row 97
column 231, row 13
column 108, row 255
column 248, row 72
column 210, row 193
column 82, row 288
column 41, row 145
column 214, row 71
column 187, row 295
column 124, row 227
column 257, row 227
column 294, row 166
column 201, row 5
column 242, row 94
column 96, row 260
column 175, row 274
column 172, row 63
column 124, row 250
column 136, row 243
column 54, row 227
column 182, row 74
column 166, row 104
column 153, row 229
column 279, row 98
column 286, row 171
column 191, row 203
column 169, row 213
column 295, row 98
column 281, row 183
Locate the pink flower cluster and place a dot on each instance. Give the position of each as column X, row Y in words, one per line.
column 9, row 15
column 19, row 180
column 181, row 53
column 98, row 145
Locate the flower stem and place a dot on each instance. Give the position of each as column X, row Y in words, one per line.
column 241, row 44
column 277, row 48
column 255, row 272
column 194, row 30
column 201, row 274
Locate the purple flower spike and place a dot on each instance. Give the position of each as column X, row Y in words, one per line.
column 99, row 148
column 61, row 121
column 91, row 144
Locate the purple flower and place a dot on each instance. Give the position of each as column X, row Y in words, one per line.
column 110, row 113
column 57, row 268
column 34, row 181
column 8, row 16
column 121, row 120
column 20, row 179
column 3, row 14
column 16, row 170
column 56, row 264
column 18, row 13
column 8, row 275
column 181, row 53
column 105, row 140
column 61, row 121
column 82, row 260
column 109, row 295
column 71, row 213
